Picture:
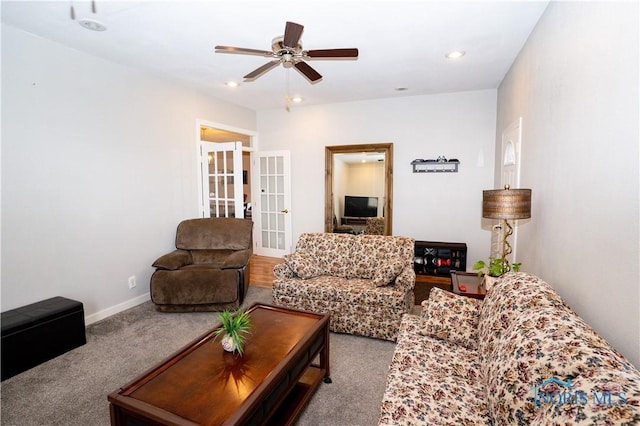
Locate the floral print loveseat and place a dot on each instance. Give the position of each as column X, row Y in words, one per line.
column 520, row 357
column 365, row 281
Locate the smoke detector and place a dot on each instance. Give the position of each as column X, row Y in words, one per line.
column 92, row 24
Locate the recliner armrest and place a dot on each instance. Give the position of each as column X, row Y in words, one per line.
column 237, row 259
column 174, row 260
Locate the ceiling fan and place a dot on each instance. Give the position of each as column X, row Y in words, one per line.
column 287, row 50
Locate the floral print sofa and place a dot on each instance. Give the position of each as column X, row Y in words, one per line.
column 520, row 357
column 364, row 281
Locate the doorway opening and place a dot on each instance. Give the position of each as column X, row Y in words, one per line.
column 264, row 178
column 218, row 135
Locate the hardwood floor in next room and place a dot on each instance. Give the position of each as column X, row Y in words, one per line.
column 262, row 270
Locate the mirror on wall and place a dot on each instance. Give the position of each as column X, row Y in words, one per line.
column 358, row 186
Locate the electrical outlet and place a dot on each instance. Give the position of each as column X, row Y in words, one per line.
column 132, row 281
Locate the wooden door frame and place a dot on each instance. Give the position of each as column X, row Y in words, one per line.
column 387, row 149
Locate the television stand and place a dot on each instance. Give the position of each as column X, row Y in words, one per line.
column 350, row 220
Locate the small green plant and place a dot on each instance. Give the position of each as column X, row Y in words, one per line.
column 236, row 325
column 495, row 268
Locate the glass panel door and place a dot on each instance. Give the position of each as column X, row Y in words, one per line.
column 274, row 217
column 222, row 179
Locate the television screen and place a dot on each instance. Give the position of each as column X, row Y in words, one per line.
column 360, row 206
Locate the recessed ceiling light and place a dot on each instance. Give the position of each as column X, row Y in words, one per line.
column 456, row 54
column 296, row 99
column 232, row 84
column 92, row 24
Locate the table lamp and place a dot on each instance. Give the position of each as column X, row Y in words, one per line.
column 506, row 204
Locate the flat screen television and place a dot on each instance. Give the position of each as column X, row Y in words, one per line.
column 360, row 206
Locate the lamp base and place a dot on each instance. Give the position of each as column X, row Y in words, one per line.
column 506, row 247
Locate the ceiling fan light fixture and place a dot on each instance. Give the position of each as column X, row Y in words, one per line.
column 287, row 50
column 287, row 60
column 455, row 54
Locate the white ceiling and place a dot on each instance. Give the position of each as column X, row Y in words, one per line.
column 401, row 43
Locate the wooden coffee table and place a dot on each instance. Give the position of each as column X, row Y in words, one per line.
column 201, row 384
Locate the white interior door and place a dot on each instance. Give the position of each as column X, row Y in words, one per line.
column 510, row 170
column 221, row 165
column 271, row 210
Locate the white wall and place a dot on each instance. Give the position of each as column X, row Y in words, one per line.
column 340, row 183
column 367, row 179
column 364, row 180
column 575, row 84
column 98, row 167
column 426, row 206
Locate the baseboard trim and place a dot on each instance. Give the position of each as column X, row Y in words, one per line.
column 90, row 319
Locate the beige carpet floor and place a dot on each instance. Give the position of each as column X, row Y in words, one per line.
column 72, row 389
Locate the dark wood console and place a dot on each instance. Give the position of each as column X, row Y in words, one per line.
column 349, row 220
column 433, row 263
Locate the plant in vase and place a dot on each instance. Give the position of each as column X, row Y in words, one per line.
column 497, row 267
column 235, row 326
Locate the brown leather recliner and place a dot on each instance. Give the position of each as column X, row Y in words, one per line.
column 208, row 271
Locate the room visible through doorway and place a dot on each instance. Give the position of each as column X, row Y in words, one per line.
column 211, row 134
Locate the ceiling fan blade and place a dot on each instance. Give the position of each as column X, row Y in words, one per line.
column 243, row 51
column 305, row 69
column 292, row 34
column 261, row 70
column 332, row 53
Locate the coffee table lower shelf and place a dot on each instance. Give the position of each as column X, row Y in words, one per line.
column 294, row 403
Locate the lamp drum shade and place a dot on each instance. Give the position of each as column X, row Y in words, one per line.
column 506, row 204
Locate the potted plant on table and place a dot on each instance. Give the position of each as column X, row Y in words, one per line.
column 490, row 272
column 235, row 327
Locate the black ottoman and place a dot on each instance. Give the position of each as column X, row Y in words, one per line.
column 39, row 332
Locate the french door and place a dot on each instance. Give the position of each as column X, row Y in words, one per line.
column 273, row 203
column 221, row 165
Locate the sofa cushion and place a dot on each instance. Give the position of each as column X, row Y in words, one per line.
column 303, row 264
column 212, row 258
column 331, row 251
column 451, row 317
column 387, row 271
column 432, row 382
column 424, row 305
column 214, row 234
column 368, row 250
